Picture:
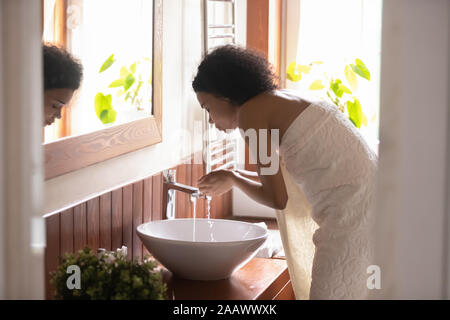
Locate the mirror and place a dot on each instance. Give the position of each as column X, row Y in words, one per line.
column 118, row 108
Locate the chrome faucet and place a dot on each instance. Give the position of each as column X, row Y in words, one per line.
column 169, row 188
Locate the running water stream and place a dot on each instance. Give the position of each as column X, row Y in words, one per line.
column 194, row 204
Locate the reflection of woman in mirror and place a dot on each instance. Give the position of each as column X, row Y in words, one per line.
column 62, row 76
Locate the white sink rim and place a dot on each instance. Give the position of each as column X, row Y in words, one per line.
column 264, row 234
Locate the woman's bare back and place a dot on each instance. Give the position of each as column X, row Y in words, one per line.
column 274, row 110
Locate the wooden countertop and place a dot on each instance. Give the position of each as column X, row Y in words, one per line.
column 259, row 279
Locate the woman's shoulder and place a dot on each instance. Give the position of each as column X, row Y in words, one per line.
column 261, row 110
column 289, row 95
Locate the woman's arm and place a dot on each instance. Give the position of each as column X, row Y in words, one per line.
column 271, row 190
column 258, row 192
column 253, row 175
column 218, row 182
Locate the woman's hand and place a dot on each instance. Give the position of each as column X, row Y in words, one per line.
column 216, row 183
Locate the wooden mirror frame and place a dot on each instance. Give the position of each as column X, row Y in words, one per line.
column 72, row 153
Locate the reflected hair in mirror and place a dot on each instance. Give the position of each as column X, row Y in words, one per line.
column 61, row 69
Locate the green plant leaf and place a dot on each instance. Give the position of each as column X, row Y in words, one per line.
column 116, row 83
column 292, row 72
column 108, row 63
column 101, row 103
column 303, row 68
column 355, row 112
column 108, row 116
column 335, row 87
column 316, row 85
column 316, row 62
column 124, row 72
column 133, row 68
column 351, row 77
column 103, row 108
column 360, row 69
column 136, row 91
column 120, row 92
column 128, row 82
column 344, row 89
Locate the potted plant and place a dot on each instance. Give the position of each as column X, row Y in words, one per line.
column 107, row 276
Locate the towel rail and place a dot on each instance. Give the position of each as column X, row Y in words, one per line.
column 221, row 36
column 221, row 26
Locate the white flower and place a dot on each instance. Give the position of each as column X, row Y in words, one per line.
column 100, row 252
column 109, row 257
column 122, row 251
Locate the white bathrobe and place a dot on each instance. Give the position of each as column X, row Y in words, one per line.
column 329, row 172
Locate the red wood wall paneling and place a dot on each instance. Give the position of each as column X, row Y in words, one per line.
column 127, row 218
column 116, row 218
column 93, row 223
column 105, row 221
column 79, row 227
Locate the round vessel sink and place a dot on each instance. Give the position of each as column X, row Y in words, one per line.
column 202, row 249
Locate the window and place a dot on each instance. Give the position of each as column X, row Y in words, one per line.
column 336, row 33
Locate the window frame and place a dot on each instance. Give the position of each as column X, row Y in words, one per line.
column 76, row 152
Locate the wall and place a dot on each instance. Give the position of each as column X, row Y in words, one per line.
column 21, row 174
column 182, row 53
column 411, row 229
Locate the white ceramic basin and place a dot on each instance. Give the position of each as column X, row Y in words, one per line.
column 214, row 251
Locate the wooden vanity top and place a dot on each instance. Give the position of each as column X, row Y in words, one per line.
column 259, row 279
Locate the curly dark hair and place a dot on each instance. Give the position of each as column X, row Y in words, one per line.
column 235, row 73
column 61, row 69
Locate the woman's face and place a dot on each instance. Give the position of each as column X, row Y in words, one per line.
column 54, row 101
column 222, row 113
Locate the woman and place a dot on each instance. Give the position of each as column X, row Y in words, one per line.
column 62, row 76
column 327, row 170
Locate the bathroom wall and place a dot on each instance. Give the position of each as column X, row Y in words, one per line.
column 412, row 215
column 110, row 220
column 21, row 174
